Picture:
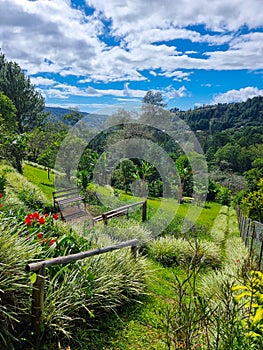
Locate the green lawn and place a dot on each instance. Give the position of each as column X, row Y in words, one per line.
column 40, row 178
column 201, row 215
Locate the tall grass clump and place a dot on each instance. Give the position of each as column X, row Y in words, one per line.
column 220, row 227
column 121, row 229
column 81, row 293
column 171, row 251
column 15, row 289
column 27, row 192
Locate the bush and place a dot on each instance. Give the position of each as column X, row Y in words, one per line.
column 15, row 289
column 171, row 251
column 224, row 195
column 25, row 191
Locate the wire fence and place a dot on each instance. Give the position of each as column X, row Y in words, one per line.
column 252, row 235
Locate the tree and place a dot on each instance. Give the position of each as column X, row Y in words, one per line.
column 184, row 171
column 253, row 203
column 154, row 98
column 73, row 117
column 7, row 114
column 27, row 114
column 125, row 174
column 28, row 102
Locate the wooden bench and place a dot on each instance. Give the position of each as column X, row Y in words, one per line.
column 119, row 212
column 69, row 203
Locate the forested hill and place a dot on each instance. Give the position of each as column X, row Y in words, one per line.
column 93, row 120
column 223, row 116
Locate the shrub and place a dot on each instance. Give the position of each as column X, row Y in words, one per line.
column 171, row 251
column 223, row 195
column 220, row 227
column 27, row 192
column 15, row 290
column 89, row 287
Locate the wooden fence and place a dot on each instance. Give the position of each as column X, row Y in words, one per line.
column 124, row 210
column 40, row 268
column 252, row 235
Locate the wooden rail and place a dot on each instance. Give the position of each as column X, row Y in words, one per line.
column 40, row 268
column 124, row 210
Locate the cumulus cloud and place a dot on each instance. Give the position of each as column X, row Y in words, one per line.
column 51, row 36
column 142, row 41
column 170, row 92
column 40, row 81
column 237, row 95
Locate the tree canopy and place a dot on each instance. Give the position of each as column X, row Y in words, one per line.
column 28, row 101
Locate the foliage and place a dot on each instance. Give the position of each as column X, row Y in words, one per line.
column 27, row 192
column 124, row 175
column 223, row 195
column 172, row 251
column 154, row 98
column 7, row 113
column 18, row 88
column 250, row 297
column 185, row 173
column 252, row 203
column 15, row 290
column 223, row 116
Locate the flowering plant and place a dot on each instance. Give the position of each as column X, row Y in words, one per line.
column 1, row 195
column 41, row 228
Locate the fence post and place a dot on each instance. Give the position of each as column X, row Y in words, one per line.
column 105, row 219
column 38, row 303
column 247, row 226
column 144, row 211
column 252, row 237
column 134, row 251
column 260, row 255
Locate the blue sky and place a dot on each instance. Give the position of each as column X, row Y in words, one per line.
column 94, row 54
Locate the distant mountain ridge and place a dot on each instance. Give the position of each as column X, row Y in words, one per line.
column 92, row 120
column 208, row 118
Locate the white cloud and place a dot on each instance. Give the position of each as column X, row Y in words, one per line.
column 130, row 16
column 65, row 91
column 177, row 75
column 53, row 37
column 237, row 95
column 40, row 81
column 170, row 92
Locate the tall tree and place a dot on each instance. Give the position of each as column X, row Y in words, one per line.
column 28, row 112
column 154, row 98
column 184, row 171
column 7, row 114
column 28, row 101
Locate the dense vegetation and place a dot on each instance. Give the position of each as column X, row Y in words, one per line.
column 192, row 284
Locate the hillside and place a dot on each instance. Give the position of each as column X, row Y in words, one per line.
column 92, row 120
column 224, row 116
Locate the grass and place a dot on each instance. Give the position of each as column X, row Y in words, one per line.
column 40, row 178
column 206, row 217
column 142, row 325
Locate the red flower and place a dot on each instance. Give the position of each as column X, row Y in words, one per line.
column 40, row 235
column 1, row 195
column 53, row 241
column 35, row 216
column 41, row 221
column 55, row 216
column 28, row 221
column 1, row 205
column 46, row 215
